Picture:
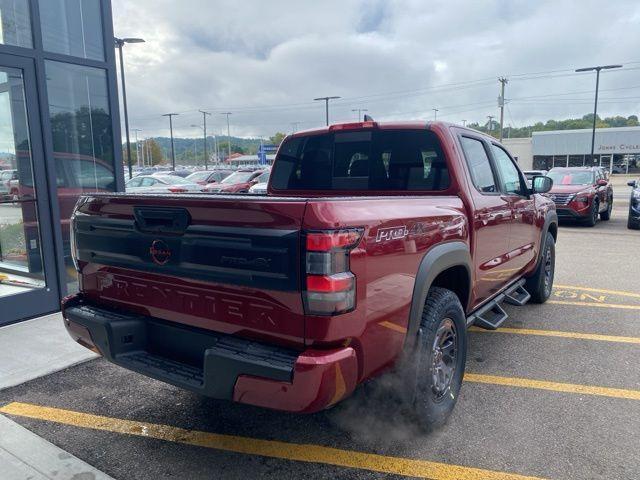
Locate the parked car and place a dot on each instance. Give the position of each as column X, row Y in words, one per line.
column 581, row 193
column 634, row 205
column 161, row 184
column 6, row 176
column 205, row 177
column 261, row 184
column 238, row 182
column 277, row 301
column 176, row 173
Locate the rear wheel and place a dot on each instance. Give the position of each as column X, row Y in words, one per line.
column 592, row 219
column 439, row 359
column 606, row 215
column 633, row 223
column 539, row 285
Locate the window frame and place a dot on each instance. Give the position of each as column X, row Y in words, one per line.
column 496, row 178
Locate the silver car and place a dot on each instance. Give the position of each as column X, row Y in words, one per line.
column 161, row 184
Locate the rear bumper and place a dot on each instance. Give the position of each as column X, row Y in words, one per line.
column 213, row 364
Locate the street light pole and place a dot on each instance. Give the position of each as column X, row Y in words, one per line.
column 119, row 43
column 135, row 131
column 326, row 106
column 228, row 134
column 435, row 114
column 173, row 151
column 204, row 121
column 595, row 106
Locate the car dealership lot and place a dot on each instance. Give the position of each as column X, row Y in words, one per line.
column 554, row 394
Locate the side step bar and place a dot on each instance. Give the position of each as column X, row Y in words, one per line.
column 492, row 315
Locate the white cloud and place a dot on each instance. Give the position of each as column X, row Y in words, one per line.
column 266, row 61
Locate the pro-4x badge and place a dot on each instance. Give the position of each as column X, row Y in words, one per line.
column 160, row 252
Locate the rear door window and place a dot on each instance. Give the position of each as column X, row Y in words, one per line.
column 396, row 160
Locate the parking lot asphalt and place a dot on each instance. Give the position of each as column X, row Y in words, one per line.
column 553, row 394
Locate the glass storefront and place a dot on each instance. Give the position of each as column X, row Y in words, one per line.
column 56, row 143
column 72, row 27
column 82, row 139
column 21, row 264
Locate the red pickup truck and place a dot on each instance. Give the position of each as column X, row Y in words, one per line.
column 375, row 248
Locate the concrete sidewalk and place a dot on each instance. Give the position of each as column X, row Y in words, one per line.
column 29, row 350
column 26, row 456
column 35, row 348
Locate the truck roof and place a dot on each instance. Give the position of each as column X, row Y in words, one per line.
column 398, row 125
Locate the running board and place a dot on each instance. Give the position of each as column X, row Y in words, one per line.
column 492, row 315
column 517, row 295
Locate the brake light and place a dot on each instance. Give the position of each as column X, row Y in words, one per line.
column 330, row 285
column 177, row 190
column 353, row 126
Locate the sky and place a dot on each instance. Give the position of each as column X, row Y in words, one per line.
column 265, row 61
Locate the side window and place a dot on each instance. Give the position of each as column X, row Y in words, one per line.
column 147, row 182
column 508, row 171
column 479, row 165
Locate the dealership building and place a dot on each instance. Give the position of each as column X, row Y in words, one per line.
column 616, row 149
column 59, row 138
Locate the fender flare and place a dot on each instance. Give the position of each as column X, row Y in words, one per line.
column 551, row 217
column 435, row 261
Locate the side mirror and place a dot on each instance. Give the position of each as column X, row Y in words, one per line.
column 601, row 182
column 632, row 183
column 540, row 184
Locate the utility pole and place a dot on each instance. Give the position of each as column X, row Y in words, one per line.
column 228, row 134
column 135, row 131
column 595, row 107
column 503, row 81
column 435, row 114
column 326, row 106
column 464, row 122
column 204, row 121
column 173, row 152
column 359, row 110
column 294, row 127
column 490, row 117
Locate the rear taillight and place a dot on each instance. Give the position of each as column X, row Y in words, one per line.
column 330, row 287
column 177, row 190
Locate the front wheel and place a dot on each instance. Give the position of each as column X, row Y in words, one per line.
column 606, row 215
column 539, row 285
column 592, row 219
column 439, row 359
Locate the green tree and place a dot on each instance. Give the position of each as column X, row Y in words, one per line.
column 277, row 138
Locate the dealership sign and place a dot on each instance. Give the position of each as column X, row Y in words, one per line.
column 621, row 147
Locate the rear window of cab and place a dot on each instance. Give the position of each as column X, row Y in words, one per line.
column 395, row 160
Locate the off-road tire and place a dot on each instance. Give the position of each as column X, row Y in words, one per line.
column 606, row 215
column 442, row 315
column 592, row 219
column 539, row 285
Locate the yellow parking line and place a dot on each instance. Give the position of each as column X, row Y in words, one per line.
column 598, row 290
column 597, row 305
column 553, row 386
column 267, row 448
column 561, row 334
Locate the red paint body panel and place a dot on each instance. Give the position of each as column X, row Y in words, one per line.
column 398, row 229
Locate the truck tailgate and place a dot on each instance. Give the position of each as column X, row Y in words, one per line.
column 223, row 263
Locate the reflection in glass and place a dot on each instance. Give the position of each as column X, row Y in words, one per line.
column 82, row 138
column 20, row 255
column 15, row 23
column 72, row 27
